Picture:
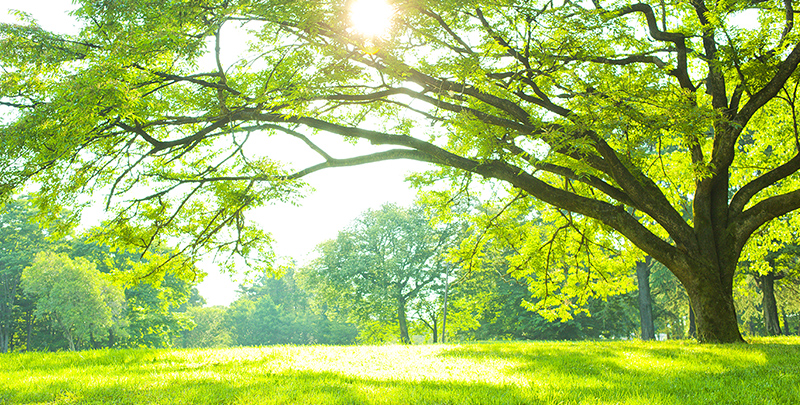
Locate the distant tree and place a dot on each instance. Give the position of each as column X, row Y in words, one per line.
column 276, row 310
column 387, row 260
column 493, row 304
column 671, row 309
column 80, row 300
column 155, row 292
column 209, row 329
column 767, row 291
column 155, row 313
column 20, row 240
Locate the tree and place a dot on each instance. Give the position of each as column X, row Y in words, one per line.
column 155, row 291
column 275, row 310
column 82, row 303
column 645, row 300
column 610, row 113
column 209, row 330
column 20, row 239
column 775, row 279
column 383, row 265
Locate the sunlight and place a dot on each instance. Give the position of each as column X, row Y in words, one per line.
column 371, row 17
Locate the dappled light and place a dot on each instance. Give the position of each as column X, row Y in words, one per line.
column 489, row 373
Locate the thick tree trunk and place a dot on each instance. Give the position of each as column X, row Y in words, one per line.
column 715, row 314
column 769, row 305
column 645, row 302
column 401, row 320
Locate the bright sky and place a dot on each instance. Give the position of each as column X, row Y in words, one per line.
column 340, row 196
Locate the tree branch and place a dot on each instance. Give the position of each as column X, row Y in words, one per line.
column 743, row 196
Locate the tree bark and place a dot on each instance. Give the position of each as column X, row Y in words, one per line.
column 769, row 305
column 645, row 301
column 713, row 309
column 5, row 337
column 786, row 330
column 401, row 320
column 692, row 333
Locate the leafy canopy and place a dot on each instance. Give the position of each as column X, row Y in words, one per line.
column 667, row 126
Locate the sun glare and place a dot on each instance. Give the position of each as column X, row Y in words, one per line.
column 371, row 17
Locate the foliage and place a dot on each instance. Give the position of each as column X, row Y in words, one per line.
column 276, row 311
column 780, row 269
column 490, row 303
column 615, row 121
column 670, row 303
column 84, row 304
column 155, row 292
column 387, row 263
column 20, row 239
column 659, row 373
column 209, row 329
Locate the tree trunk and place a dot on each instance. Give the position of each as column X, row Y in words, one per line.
column 401, row 320
column 435, row 330
column 29, row 331
column 769, row 305
column 714, row 312
column 692, row 334
column 645, row 302
column 786, row 330
column 70, row 340
column 5, row 337
column 8, row 291
column 444, row 310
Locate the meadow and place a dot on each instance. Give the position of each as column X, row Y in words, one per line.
column 767, row 371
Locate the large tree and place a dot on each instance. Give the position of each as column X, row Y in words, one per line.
column 613, row 114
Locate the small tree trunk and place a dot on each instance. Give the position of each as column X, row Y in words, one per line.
column 5, row 337
column 29, row 331
column 645, row 302
column 692, row 325
column 444, row 310
column 401, row 320
column 769, row 305
column 786, row 330
column 70, row 340
column 435, row 330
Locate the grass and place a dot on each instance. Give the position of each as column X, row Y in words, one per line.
column 766, row 371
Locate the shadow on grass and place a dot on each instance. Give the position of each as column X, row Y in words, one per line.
column 656, row 372
column 544, row 373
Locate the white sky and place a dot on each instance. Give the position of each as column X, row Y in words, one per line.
column 341, row 194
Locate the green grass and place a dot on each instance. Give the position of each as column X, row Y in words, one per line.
column 676, row 372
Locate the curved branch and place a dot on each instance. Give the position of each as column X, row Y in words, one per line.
column 681, row 71
column 761, row 213
column 743, row 196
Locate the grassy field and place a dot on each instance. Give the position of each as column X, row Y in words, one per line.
column 764, row 372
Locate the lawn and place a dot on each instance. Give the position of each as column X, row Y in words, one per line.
column 766, row 371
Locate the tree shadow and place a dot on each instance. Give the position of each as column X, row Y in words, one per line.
column 683, row 372
column 540, row 373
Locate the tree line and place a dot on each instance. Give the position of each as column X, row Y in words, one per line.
column 389, row 277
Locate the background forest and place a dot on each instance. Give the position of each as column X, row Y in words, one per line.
column 389, row 277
